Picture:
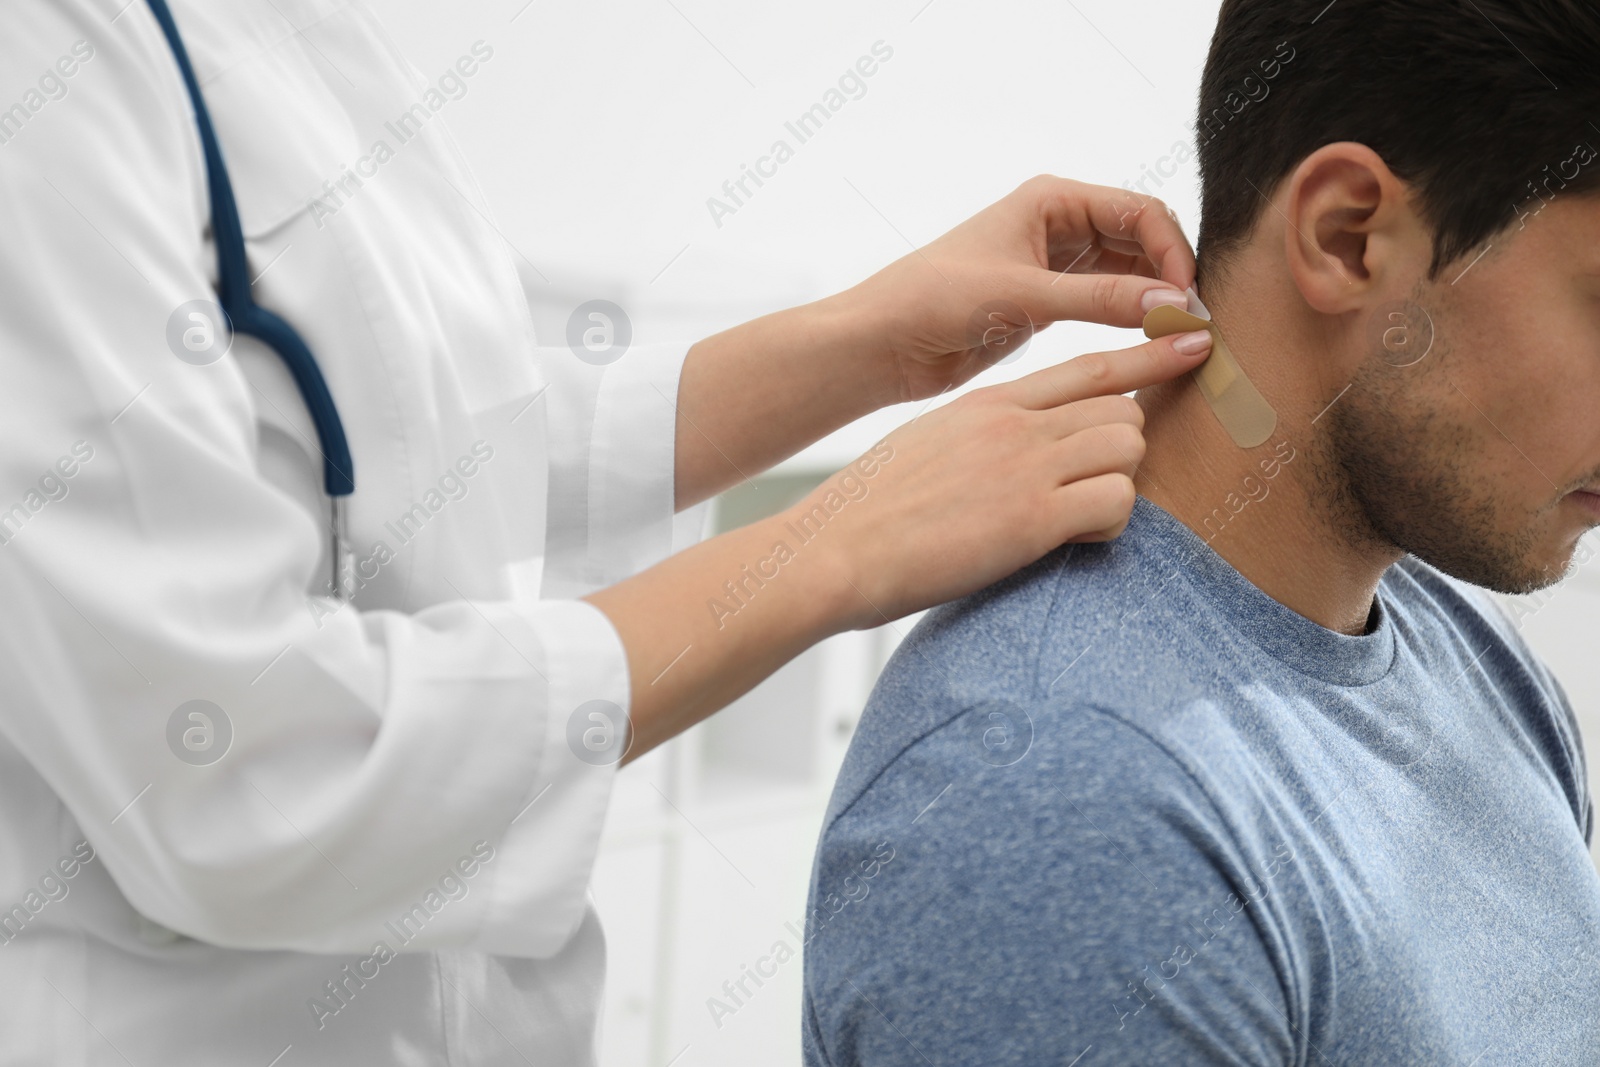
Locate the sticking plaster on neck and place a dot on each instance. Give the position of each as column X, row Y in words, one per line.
column 1234, row 399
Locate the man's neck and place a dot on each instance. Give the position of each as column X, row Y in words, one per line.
column 1273, row 512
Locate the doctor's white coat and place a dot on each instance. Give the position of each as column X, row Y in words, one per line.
column 388, row 863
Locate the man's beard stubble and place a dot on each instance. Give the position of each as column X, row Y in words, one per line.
column 1398, row 475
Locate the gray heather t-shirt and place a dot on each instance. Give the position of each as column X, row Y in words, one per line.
column 1124, row 808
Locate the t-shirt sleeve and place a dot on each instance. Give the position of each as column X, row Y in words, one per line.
column 1083, row 905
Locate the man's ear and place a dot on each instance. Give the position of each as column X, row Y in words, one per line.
column 1353, row 228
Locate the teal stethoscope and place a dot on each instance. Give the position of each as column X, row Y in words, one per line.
column 252, row 320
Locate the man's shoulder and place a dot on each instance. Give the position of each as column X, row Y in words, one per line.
column 1001, row 880
column 1004, row 655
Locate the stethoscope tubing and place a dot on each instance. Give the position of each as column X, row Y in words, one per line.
column 247, row 317
column 233, row 285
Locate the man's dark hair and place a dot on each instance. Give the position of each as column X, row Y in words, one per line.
column 1486, row 108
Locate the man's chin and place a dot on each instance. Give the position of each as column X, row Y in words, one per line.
column 1527, row 573
column 1515, row 565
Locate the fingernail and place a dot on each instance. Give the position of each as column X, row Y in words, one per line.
column 1192, row 344
column 1157, row 297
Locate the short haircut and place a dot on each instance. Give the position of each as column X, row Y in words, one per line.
column 1485, row 108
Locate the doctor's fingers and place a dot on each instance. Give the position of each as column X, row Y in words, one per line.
column 1095, row 509
column 1115, row 448
column 1109, row 373
column 1103, row 296
column 1077, row 213
column 1107, row 256
column 1113, row 261
column 1067, row 419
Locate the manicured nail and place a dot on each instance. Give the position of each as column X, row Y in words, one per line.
column 1157, row 297
column 1192, row 344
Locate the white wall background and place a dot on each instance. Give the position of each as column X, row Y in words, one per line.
column 598, row 132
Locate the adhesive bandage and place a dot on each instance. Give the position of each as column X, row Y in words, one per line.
column 1234, row 399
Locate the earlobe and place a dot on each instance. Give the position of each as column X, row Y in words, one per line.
column 1351, row 226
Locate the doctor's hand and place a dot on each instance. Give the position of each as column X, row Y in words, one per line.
column 1053, row 249
column 987, row 484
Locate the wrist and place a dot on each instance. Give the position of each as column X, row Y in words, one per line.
column 821, row 560
column 854, row 331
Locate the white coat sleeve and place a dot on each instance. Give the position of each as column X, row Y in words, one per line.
column 379, row 762
column 613, row 449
